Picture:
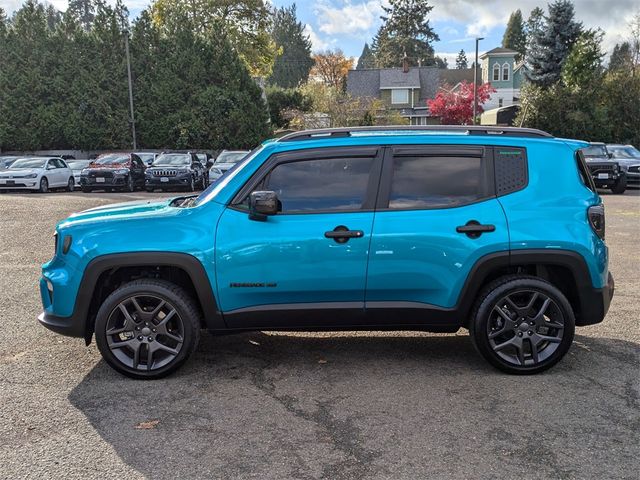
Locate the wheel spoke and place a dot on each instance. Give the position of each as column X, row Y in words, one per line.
column 160, row 346
column 520, row 352
column 546, row 338
column 136, row 355
column 149, row 357
column 127, row 343
column 137, row 306
column 163, row 323
column 534, row 297
column 503, row 345
column 157, row 309
column 175, row 338
column 534, row 351
column 544, row 307
column 502, row 313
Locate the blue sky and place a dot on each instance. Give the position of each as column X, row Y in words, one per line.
column 348, row 24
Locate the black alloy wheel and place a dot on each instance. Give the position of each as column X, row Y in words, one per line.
column 523, row 324
column 71, row 184
column 147, row 329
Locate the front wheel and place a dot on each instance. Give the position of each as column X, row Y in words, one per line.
column 44, row 185
column 620, row 186
column 147, row 328
column 130, row 187
column 192, row 185
column 71, row 184
column 522, row 324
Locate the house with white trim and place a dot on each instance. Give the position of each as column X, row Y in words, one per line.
column 500, row 69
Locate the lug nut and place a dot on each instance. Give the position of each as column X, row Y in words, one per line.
column 530, row 332
column 140, row 337
column 154, row 330
column 150, row 339
column 519, row 334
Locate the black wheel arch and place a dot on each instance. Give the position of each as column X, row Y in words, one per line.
column 105, row 273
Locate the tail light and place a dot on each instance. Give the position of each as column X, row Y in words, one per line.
column 596, row 219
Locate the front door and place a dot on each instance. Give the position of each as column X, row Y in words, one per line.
column 296, row 268
column 437, row 215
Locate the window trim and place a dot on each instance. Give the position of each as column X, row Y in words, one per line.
column 370, row 151
column 496, row 69
column 507, row 69
column 484, row 152
column 405, row 90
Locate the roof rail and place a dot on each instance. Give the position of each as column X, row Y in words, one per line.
column 322, row 133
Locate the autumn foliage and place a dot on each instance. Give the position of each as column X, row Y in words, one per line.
column 455, row 107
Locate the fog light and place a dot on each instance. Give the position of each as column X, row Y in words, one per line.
column 50, row 290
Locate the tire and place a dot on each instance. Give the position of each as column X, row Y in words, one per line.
column 203, row 183
column 71, row 185
column 147, row 335
column 149, row 190
column 507, row 340
column 86, row 190
column 620, row 186
column 131, row 186
column 44, row 185
column 192, row 185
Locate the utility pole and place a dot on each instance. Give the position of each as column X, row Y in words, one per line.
column 475, row 82
column 132, row 119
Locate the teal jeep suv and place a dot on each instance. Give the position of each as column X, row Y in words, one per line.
column 496, row 230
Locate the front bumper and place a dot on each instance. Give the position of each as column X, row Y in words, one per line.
column 68, row 326
column 594, row 304
column 170, row 182
column 21, row 184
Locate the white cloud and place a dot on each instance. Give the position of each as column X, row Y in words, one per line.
column 12, row 5
column 350, row 18
column 317, row 43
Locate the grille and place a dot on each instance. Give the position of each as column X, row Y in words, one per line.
column 635, row 169
column 100, row 173
column 603, row 167
column 165, row 173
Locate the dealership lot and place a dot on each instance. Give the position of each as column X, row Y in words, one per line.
column 290, row 405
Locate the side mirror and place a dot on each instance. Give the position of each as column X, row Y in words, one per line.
column 610, row 155
column 263, row 204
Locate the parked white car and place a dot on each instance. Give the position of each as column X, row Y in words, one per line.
column 224, row 161
column 76, row 167
column 37, row 173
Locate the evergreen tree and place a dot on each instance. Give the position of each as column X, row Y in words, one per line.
column 292, row 65
column 533, row 26
column 514, row 36
column 583, row 67
column 461, row 60
column 621, row 57
column 83, row 11
column 406, row 30
column 367, row 58
column 552, row 44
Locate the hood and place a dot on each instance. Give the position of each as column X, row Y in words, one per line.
column 627, row 162
column 168, row 167
column 223, row 166
column 599, row 159
column 140, row 209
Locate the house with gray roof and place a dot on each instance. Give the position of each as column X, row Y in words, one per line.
column 406, row 89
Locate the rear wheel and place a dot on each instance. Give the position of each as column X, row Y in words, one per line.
column 44, row 185
column 620, row 186
column 522, row 324
column 147, row 329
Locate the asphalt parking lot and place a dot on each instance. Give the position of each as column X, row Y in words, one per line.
column 336, row 406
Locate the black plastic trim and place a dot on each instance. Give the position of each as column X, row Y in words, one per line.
column 80, row 325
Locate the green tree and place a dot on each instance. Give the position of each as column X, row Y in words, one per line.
column 405, row 30
column 551, row 45
column 514, row 36
column 367, row 58
column 583, row 67
column 83, row 11
column 292, row 65
column 533, row 28
column 245, row 24
column 282, row 101
column 621, row 57
column 461, row 60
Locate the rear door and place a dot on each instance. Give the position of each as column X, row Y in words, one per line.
column 305, row 266
column 437, row 214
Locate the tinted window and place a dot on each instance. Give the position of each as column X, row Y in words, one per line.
column 327, row 184
column 432, row 181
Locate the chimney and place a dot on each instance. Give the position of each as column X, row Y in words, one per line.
column 405, row 63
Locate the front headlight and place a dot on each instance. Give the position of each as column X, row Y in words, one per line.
column 624, row 168
column 84, row 171
column 31, row 175
column 121, row 171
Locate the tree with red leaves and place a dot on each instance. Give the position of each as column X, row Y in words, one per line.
column 455, row 107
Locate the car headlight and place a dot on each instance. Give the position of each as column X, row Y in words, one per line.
column 84, row 171
column 31, row 175
column 121, row 171
column 624, row 168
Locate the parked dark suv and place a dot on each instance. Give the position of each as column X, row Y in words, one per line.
column 605, row 171
column 176, row 170
column 381, row 228
column 113, row 171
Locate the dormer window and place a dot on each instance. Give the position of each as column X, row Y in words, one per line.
column 505, row 72
column 400, row 96
column 496, row 72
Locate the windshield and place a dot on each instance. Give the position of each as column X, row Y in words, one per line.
column 29, row 163
column 231, row 157
column 173, row 159
column 625, row 152
column 145, row 157
column 78, row 164
column 595, row 151
column 111, row 159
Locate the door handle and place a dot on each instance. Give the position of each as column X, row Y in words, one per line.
column 473, row 229
column 342, row 234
